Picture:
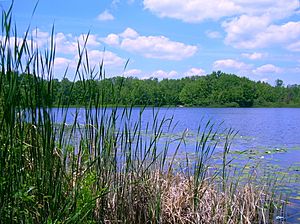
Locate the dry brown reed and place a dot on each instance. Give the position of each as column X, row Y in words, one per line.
column 175, row 194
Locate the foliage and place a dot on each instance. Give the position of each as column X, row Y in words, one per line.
column 108, row 167
column 217, row 89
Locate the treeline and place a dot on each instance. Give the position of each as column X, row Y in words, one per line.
column 215, row 90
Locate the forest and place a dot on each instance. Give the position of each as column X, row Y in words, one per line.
column 214, row 90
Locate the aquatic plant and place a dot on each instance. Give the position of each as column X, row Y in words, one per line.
column 112, row 168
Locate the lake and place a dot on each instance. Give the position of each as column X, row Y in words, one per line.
column 267, row 128
column 272, row 135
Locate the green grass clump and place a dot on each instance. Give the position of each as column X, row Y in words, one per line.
column 110, row 169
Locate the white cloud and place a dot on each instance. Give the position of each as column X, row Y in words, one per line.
column 194, row 71
column 213, row 34
column 191, row 10
column 242, row 30
column 19, row 41
column 62, row 63
column 253, row 56
column 129, row 33
column 248, row 24
column 279, row 34
column 241, row 68
column 68, row 44
column 159, row 47
column 91, row 40
column 95, row 58
column 199, row 10
column 112, row 39
column 231, row 64
column 267, row 69
column 40, row 37
column 64, row 66
column 276, row 9
column 65, row 43
column 105, row 16
column 160, row 74
column 108, row 57
column 38, row 40
column 251, row 32
column 294, row 46
column 163, row 74
column 67, row 51
column 133, row 72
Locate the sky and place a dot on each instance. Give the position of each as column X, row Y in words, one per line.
column 258, row 39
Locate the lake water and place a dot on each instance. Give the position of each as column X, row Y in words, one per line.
column 258, row 128
column 272, row 134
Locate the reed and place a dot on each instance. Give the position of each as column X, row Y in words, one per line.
column 108, row 167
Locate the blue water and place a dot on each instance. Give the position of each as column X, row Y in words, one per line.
column 265, row 127
column 273, row 132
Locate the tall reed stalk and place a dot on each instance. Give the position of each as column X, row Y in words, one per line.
column 108, row 167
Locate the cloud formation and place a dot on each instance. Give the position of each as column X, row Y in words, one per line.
column 159, row 47
column 196, row 11
column 133, row 72
column 248, row 24
column 65, row 43
column 161, row 74
column 253, row 56
column 267, row 69
column 194, row 72
column 231, row 64
column 191, row 10
column 62, row 63
column 256, row 32
column 105, row 16
column 294, row 46
column 67, row 50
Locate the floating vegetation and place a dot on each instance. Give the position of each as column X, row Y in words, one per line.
column 296, row 198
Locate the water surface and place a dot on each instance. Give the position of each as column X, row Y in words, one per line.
column 271, row 136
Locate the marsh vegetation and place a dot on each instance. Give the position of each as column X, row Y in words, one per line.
column 112, row 168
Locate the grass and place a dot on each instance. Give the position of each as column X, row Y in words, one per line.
column 111, row 167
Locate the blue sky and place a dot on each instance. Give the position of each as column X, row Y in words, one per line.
column 259, row 39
